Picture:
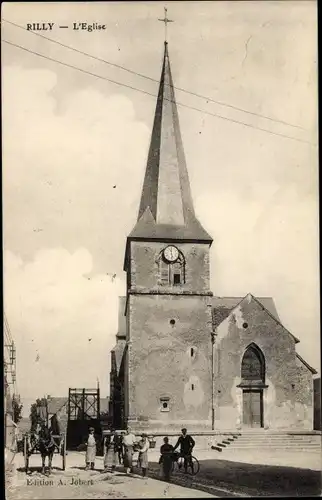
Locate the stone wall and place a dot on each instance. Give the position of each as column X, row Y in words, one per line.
column 317, row 403
column 169, row 361
column 287, row 400
column 169, row 340
column 144, row 267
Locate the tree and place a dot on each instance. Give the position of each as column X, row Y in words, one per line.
column 17, row 409
column 35, row 415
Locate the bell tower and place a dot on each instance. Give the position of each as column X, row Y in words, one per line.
column 168, row 379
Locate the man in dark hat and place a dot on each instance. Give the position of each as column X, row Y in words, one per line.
column 186, row 444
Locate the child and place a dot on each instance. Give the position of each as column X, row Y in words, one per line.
column 166, row 459
column 91, row 450
column 118, row 441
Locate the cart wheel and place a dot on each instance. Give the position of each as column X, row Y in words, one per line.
column 63, row 452
column 25, row 453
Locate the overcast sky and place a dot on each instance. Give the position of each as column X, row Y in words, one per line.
column 69, row 137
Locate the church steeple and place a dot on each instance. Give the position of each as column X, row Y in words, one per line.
column 166, row 209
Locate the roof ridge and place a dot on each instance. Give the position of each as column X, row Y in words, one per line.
column 312, row 370
column 277, row 320
column 262, row 305
column 239, row 296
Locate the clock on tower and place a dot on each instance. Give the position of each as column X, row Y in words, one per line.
column 171, row 253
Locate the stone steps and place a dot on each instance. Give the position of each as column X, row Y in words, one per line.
column 268, row 441
column 275, row 441
column 268, row 445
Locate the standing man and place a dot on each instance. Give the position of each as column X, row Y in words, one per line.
column 128, row 442
column 186, row 444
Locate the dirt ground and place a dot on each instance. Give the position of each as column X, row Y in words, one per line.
column 258, row 474
column 225, row 474
column 75, row 482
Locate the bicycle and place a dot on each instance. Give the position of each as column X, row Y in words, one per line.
column 178, row 464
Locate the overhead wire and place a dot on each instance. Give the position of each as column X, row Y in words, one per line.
column 208, row 99
column 154, row 95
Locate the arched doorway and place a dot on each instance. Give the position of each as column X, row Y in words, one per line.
column 253, row 384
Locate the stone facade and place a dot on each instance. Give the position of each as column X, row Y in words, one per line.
column 169, row 339
column 201, row 384
column 183, row 357
column 144, row 272
column 317, row 404
column 287, row 390
column 169, row 363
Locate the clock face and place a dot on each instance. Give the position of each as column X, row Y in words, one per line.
column 171, row 253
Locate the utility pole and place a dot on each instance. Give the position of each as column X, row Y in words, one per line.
column 213, row 341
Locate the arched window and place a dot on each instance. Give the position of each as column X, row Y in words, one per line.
column 171, row 273
column 253, row 365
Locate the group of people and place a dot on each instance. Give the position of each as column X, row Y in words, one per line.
column 119, row 449
column 167, row 451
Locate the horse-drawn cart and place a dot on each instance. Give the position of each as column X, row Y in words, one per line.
column 55, row 444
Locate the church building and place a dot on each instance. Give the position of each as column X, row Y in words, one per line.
column 184, row 357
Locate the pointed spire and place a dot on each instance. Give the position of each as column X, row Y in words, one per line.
column 166, row 207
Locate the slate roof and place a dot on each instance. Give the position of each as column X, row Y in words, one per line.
column 166, row 209
column 55, row 404
column 147, row 228
column 222, row 306
column 117, row 355
column 121, row 332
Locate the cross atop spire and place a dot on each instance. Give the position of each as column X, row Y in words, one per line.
column 166, row 208
column 165, row 20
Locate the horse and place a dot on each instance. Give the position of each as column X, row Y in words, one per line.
column 43, row 442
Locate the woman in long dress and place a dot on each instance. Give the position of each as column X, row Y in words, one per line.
column 166, row 459
column 110, row 457
column 90, row 450
column 143, row 454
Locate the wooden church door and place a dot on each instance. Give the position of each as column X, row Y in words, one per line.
column 253, row 408
column 253, row 378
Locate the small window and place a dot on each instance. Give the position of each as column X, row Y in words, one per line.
column 192, row 352
column 164, row 273
column 192, row 387
column 164, row 406
column 176, row 279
